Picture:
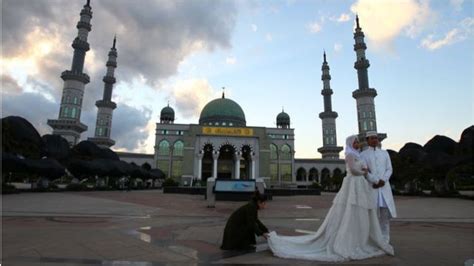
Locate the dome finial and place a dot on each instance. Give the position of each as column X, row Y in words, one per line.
column 223, row 92
column 283, row 109
column 168, row 103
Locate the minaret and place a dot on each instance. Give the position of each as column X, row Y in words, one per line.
column 106, row 107
column 364, row 95
column 68, row 124
column 329, row 150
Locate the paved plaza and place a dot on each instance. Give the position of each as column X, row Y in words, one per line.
column 151, row 228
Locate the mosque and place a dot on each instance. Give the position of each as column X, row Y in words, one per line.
column 221, row 144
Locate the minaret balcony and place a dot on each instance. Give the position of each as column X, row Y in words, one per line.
column 330, row 114
column 109, row 79
column 325, row 67
column 80, row 44
column 361, row 64
column 330, row 149
column 359, row 46
column 359, row 33
column 106, row 104
column 369, row 92
column 81, row 77
column 113, row 52
column 67, row 124
column 325, row 77
column 84, row 25
column 326, row 92
column 85, row 11
column 111, row 64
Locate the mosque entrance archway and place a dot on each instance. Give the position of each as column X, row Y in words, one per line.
column 225, row 164
column 245, row 163
column 207, row 162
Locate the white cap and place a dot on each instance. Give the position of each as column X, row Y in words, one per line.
column 370, row 134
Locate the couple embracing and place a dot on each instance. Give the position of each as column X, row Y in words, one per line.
column 357, row 224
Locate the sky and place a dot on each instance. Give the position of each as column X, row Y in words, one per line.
column 267, row 55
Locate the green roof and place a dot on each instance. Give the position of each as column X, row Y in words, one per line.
column 222, row 112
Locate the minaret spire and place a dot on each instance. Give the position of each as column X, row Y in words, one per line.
column 106, row 106
column 68, row 124
column 115, row 40
column 357, row 21
column 330, row 150
column 364, row 95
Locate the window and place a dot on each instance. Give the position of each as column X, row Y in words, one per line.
column 164, row 148
column 73, row 112
column 285, row 172
column 178, row 148
column 273, row 152
column 273, row 172
column 177, row 170
column 163, row 165
column 74, row 100
column 224, row 123
column 231, row 124
column 285, row 152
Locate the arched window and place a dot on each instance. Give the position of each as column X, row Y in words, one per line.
column 73, row 112
column 313, row 174
column 164, row 148
column 273, row 152
column 178, row 148
column 285, row 152
column 301, row 174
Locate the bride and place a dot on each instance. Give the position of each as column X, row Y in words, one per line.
column 350, row 231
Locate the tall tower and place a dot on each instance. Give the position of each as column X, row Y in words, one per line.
column 364, row 95
column 68, row 124
column 329, row 150
column 106, row 107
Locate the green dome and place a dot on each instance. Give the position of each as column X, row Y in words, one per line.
column 222, row 112
column 167, row 114
column 283, row 119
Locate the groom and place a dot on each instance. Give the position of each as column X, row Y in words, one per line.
column 380, row 170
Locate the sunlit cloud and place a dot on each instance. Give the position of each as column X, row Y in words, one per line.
column 191, row 96
column 462, row 32
column 268, row 37
column 456, row 4
column 314, row 27
column 384, row 20
column 337, row 47
column 254, row 27
column 342, row 18
column 230, row 60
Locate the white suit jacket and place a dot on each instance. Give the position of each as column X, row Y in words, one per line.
column 380, row 166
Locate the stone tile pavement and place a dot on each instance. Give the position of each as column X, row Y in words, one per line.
column 151, row 228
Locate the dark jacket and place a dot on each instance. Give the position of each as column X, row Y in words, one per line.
column 241, row 228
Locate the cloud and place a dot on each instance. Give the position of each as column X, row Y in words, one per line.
column 231, row 60
column 254, row 27
column 10, row 85
column 460, row 33
column 153, row 38
column 269, row 37
column 342, row 18
column 192, row 95
column 129, row 128
column 22, row 104
column 456, row 4
column 314, row 27
column 337, row 47
column 384, row 20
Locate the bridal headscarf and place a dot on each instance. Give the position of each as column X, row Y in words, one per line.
column 349, row 149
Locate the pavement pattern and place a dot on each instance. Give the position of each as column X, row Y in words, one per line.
column 144, row 228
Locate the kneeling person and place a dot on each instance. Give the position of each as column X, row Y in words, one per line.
column 243, row 225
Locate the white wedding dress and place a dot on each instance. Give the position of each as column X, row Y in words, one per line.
column 350, row 231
